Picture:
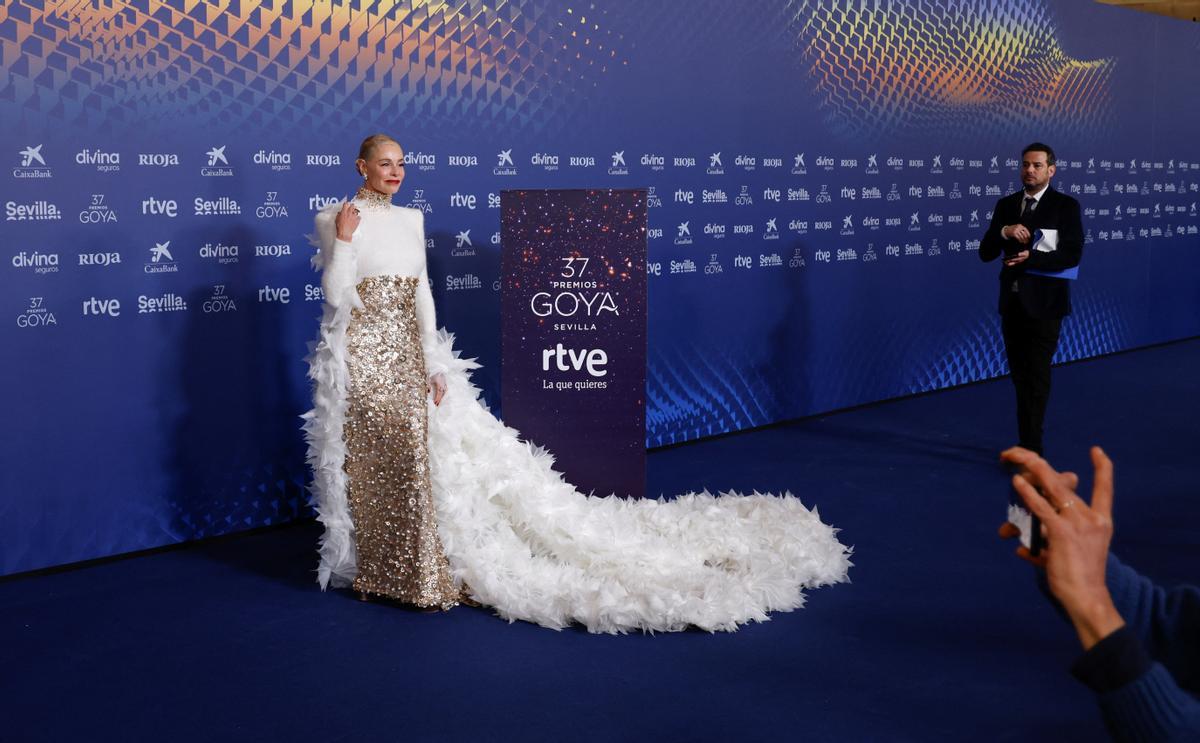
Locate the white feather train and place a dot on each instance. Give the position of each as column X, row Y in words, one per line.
column 533, row 548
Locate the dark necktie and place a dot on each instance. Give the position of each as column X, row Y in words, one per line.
column 1027, row 212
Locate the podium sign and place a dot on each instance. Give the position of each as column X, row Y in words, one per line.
column 573, row 337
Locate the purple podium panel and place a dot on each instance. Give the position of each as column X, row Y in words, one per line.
column 573, row 331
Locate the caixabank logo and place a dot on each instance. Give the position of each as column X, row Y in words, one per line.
column 463, row 247
column 32, row 163
column 504, row 163
column 161, row 260
column 217, row 163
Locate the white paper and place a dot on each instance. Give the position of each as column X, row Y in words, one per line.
column 1048, row 243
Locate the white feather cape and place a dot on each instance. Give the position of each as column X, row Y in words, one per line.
column 533, row 548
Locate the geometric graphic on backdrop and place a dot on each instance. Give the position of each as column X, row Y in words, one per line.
column 284, row 65
column 904, row 70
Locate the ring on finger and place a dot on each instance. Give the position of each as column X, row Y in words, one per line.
column 1064, row 506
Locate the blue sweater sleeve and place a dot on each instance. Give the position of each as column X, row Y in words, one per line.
column 1145, row 673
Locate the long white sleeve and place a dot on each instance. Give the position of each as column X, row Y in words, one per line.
column 338, row 260
column 426, row 314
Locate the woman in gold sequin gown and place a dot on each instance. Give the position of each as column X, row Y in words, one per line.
column 423, row 492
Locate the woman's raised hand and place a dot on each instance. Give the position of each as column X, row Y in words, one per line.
column 346, row 221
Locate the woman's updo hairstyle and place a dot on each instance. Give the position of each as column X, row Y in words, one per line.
column 370, row 143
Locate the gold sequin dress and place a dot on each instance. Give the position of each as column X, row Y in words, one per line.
column 384, row 421
column 478, row 499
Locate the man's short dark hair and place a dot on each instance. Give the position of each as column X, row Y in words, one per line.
column 1039, row 147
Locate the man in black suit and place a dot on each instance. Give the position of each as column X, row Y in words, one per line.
column 1032, row 306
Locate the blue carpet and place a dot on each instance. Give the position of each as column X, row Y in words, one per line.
column 942, row 636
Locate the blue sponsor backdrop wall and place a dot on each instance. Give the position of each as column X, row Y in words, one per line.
column 821, row 173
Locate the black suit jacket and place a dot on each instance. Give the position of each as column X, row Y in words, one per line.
column 1040, row 296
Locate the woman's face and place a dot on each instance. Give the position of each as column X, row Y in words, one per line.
column 384, row 168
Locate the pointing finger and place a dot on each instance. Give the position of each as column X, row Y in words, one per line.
column 1102, row 482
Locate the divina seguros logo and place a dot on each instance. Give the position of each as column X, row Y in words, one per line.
column 277, row 161
column 104, row 162
column 40, row 263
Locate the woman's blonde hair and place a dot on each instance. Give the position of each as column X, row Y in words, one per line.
column 370, row 143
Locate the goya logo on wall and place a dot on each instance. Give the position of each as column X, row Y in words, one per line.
column 97, row 212
column 273, row 160
column 161, row 260
column 653, row 201
column 504, row 163
column 104, row 162
column 617, row 165
column 419, row 202
column 218, row 163
column 36, row 315
column 223, row 206
column 40, row 210
column 219, row 252
column 32, row 164
column 218, row 301
column 271, row 208
column 714, row 266
column 36, row 261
